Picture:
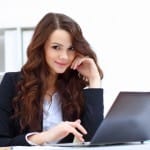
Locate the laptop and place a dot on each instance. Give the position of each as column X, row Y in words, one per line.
column 128, row 120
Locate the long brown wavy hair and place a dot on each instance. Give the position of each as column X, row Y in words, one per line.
column 28, row 103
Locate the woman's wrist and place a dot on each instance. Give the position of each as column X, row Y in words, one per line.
column 28, row 136
column 39, row 138
column 95, row 82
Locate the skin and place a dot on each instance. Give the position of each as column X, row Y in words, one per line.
column 60, row 55
column 59, row 52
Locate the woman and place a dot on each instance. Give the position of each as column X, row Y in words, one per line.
column 57, row 95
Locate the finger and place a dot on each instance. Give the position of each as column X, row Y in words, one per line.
column 77, row 125
column 77, row 134
column 80, row 127
column 78, row 120
column 84, row 59
column 77, row 62
column 74, row 63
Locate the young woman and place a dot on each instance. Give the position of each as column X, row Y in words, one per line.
column 57, row 95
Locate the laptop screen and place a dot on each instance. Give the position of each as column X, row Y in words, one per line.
column 127, row 120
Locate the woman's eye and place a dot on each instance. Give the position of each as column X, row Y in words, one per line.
column 71, row 48
column 56, row 47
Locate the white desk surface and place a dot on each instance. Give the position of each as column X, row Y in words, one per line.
column 137, row 146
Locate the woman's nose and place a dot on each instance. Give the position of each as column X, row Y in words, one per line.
column 63, row 55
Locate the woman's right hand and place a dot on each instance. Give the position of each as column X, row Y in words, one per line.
column 59, row 132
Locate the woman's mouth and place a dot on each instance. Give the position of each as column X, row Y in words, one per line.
column 61, row 63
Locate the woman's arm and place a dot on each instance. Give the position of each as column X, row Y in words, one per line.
column 93, row 111
column 59, row 132
column 7, row 128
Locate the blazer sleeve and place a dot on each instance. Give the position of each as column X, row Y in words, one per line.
column 93, row 111
column 8, row 137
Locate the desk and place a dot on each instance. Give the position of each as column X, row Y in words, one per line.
column 145, row 146
column 5, row 148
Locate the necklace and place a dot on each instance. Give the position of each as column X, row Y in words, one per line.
column 47, row 103
column 50, row 102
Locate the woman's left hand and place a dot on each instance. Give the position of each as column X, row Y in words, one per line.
column 87, row 68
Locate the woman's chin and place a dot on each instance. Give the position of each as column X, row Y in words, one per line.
column 60, row 71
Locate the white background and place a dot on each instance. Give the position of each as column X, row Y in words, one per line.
column 118, row 30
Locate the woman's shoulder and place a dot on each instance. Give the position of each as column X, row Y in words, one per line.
column 90, row 90
column 13, row 76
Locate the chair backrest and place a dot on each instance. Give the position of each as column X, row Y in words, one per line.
column 1, row 76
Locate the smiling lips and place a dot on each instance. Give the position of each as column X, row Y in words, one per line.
column 61, row 63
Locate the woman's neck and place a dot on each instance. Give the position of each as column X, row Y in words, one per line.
column 51, row 85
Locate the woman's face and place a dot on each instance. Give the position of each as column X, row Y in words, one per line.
column 59, row 52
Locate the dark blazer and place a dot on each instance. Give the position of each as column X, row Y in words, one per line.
column 9, row 130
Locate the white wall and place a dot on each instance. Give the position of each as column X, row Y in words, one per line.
column 118, row 30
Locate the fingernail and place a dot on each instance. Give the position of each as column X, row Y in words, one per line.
column 82, row 140
column 78, row 120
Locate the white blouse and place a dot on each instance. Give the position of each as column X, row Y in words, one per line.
column 52, row 115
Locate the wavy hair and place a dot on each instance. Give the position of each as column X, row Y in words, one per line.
column 28, row 103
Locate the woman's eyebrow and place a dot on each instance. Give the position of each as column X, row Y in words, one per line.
column 61, row 44
column 57, row 43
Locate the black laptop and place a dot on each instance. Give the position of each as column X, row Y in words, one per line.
column 128, row 120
